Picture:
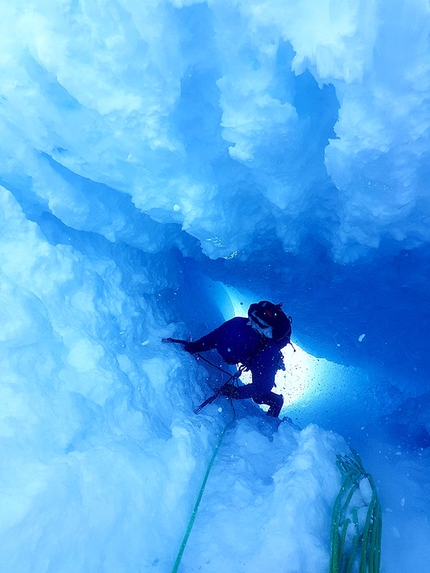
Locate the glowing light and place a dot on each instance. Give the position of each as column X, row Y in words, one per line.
column 239, row 301
column 296, row 380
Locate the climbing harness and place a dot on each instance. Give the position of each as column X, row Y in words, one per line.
column 356, row 520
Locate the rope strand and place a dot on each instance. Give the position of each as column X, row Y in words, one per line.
column 199, row 497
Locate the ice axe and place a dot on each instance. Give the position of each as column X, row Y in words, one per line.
column 175, row 340
column 217, row 390
column 208, row 401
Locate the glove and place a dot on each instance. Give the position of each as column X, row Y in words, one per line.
column 229, row 390
column 190, row 347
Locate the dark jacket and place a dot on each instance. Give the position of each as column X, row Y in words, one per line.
column 236, row 341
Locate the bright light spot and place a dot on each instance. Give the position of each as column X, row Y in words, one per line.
column 239, row 301
column 296, row 380
column 298, row 377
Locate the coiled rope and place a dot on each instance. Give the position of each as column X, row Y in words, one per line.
column 354, row 539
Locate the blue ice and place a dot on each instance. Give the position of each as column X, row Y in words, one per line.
column 162, row 165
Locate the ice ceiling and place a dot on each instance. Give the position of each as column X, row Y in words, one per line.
column 289, row 143
column 157, row 156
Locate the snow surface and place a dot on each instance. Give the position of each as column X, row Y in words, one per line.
column 162, row 165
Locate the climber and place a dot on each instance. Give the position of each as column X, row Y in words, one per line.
column 255, row 343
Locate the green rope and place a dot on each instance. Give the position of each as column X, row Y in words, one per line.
column 365, row 546
column 355, row 542
column 199, row 498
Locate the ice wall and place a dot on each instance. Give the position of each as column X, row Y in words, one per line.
column 150, row 154
column 287, row 134
column 153, row 100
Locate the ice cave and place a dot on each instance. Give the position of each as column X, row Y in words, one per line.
column 163, row 165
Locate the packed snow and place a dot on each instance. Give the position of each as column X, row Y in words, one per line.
column 163, row 164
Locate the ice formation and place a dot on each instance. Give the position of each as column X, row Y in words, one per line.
column 162, row 165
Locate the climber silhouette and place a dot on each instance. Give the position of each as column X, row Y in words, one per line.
column 255, row 343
